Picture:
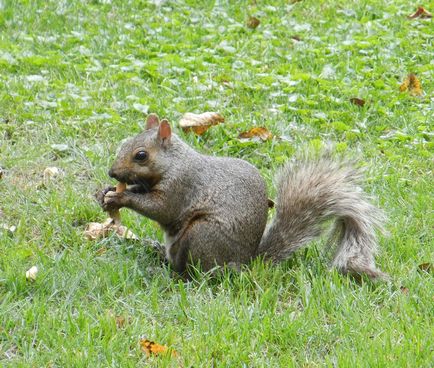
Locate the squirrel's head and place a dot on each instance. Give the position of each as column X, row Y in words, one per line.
column 144, row 158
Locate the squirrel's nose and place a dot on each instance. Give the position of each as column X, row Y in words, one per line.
column 112, row 173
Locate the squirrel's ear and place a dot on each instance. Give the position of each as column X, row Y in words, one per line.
column 164, row 131
column 152, row 121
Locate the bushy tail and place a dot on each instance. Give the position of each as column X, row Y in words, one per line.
column 310, row 193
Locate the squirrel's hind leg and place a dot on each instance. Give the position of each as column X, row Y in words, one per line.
column 207, row 246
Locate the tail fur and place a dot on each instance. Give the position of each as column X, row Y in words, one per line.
column 310, row 193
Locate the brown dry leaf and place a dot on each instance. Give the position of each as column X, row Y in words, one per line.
column 426, row 267
column 96, row 230
column 358, row 101
column 404, row 290
column 200, row 123
column 256, row 133
column 120, row 321
column 253, row 22
column 412, row 84
column 101, row 251
column 420, row 12
column 1, row 173
column 152, row 348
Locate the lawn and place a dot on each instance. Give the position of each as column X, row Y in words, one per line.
column 77, row 77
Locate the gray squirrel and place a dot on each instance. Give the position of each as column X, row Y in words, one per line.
column 213, row 210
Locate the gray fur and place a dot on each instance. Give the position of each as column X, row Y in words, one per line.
column 311, row 192
column 213, row 210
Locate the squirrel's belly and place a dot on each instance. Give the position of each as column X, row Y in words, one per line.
column 168, row 241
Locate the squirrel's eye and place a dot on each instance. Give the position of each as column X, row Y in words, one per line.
column 141, row 156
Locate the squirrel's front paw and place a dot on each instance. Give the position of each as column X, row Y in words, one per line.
column 99, row 196
column 113, row 200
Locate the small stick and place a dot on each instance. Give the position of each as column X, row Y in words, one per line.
column 115, row 215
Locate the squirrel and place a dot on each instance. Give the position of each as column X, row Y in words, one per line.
column 213, row 210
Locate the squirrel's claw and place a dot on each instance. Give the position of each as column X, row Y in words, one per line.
column 112, row 201
column 100, row 197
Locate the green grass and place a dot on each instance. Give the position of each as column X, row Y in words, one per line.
column 81, row 74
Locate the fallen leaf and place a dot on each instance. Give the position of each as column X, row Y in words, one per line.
column 120, row 321
column 253, row 22
column 296, row 38
column 420, row 12
column 101, row 251
column 1, row 173
column 256, row 133
column 358, row 101
column 412, row 84
column 152, row 348
column 404, row 290
column 200, row 123
column 31, row 273
column 426, row 267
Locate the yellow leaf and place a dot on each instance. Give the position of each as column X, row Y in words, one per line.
column 257, row 132
column 412, row 84
column 152, row 348
column 200, row 123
